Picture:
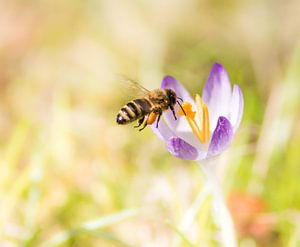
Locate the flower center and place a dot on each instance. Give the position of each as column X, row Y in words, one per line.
column 201, row 132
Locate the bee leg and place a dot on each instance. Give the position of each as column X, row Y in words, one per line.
column 140, row 121
column 144, row 122
column 158, row 118
column 144, row 126
column 172, row 109
column 158, row 112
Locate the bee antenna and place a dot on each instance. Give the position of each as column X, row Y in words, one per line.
column 179, row 99
column 181, row 107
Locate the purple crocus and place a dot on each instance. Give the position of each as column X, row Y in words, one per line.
column 209, row 123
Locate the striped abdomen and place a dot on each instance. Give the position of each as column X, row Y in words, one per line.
column 134, row 110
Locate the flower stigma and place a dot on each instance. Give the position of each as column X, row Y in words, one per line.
column 203, row 133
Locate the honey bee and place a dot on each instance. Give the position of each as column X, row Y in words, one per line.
column 148, row 108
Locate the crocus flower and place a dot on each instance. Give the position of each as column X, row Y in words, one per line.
column 209, row 123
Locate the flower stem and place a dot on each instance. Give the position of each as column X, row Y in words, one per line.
column 220, row 210
column 190, row 215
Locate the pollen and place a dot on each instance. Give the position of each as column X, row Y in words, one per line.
column 200, row 128
column 151, row 118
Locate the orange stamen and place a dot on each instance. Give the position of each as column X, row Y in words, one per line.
column 201, row 132
column 207, row 128
column 187, row 107
column 203, row 116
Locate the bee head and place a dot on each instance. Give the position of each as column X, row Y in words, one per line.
column 171, row 96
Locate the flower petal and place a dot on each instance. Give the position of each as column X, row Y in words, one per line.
column 181, row 149
column 221, row 137
column 163, row 131
column 217, row 94
column 180, row 124
column 172, row 83
column 236, row 107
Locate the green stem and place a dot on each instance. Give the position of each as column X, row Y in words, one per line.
column 190, row 215
column 220, row 211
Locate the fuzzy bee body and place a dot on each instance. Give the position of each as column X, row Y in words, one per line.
column 134, row 110
column 152, row 105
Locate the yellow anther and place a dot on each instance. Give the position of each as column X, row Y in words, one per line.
column 206, row 123
column 203, row 117
column 202, row 133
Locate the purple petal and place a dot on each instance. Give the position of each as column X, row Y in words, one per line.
column 172, row 83
column 217, row 93
column 236, row 107
column 163, row 131
column 181, row 149
column 180, row 124
column 221, row 137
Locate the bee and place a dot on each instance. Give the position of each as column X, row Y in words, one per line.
column 148, row 108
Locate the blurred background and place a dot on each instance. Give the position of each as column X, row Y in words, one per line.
column 69, row 176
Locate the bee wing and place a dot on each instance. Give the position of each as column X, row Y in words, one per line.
column 134, row 88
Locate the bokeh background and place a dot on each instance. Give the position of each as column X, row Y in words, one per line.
column 69, row 176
